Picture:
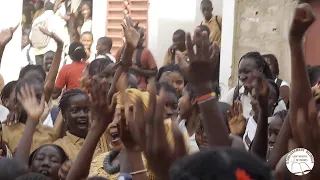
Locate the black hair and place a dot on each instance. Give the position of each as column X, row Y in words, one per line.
column 65, row 98
column 88, row 3
column 49, row 6
column 314, row 74
column 48, row 52
column 281, row 114
column 37, row 68
column 28, row 81
column 62, row 154
column 206, row 2
column 98, row 65
column 10, row 169
column 97, row 178
column 180, row 33
column 204, row 28
column 170, row 67
column 272, row 83
column 33, row 176
column 166, row 86
column 87, row 33
column 77, row 51
column 7, row 89
column 273, row 61
column 106, row 41
column 219, row 163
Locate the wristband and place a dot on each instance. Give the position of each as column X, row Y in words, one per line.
column 206, row 98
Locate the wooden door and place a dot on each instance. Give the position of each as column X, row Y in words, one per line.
column 137, row 9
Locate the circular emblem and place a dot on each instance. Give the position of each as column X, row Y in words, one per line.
column 300, row 161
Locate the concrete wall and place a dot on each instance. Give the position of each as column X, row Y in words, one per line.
column 263, row 25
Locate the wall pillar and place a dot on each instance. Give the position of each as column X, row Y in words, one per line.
column 227, row 41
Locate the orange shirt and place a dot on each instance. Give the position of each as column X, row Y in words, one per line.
column 147, row 62
column 70, row 74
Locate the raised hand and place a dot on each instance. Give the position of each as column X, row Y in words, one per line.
column 64, row 169
column 27, row 98
column 261, row 88
column 302, row 19
column 131, row 35
column 52, row 35
column 237, row 122
column 152, row 137
column 101, row 110
column 6, row 35
column 202, row 63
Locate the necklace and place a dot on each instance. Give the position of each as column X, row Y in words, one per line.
column 107, row 163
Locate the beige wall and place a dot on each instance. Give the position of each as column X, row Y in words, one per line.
column 263, row 25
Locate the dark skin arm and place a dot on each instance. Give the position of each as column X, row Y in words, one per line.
column 53, row 72
column 281, row 144
column 144, row 72
column 5, row 38
column 132, row 38
column 205, row 59
column 260, row 143
column 56, row 92
column 34, row 110
column 285, row 93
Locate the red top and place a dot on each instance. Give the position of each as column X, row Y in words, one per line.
column 147, row 62
column 70, row 74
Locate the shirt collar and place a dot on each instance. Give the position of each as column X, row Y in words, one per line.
column 72, row 138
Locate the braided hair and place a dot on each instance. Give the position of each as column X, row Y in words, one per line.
column 274, row 61
column 64, row 101
column 260, row 64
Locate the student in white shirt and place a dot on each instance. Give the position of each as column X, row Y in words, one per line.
column 104, row 46
column 53, row 25
column 250, row 65
column 283, row 85
column 87, row 40
column 27, row 52
column 86, row 12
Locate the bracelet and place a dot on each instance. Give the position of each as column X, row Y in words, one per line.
column 139, row 172
column 209, row 96
column 204, row 101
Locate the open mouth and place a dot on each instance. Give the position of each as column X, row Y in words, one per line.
column 44, row 172
column 83, row 123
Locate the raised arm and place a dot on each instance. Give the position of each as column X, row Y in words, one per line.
column 5, row 37
column 132, row 38
column 260, row 142
column 199, row 73
column 53, row 72
column 27, row 98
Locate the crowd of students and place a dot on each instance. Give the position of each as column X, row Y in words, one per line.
column 122, row 118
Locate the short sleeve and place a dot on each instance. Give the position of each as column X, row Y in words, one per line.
column 148, row 59
column 61, row 79
column 284, row 83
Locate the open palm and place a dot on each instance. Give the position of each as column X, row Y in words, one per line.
column 130, row 33
column 27, row 98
